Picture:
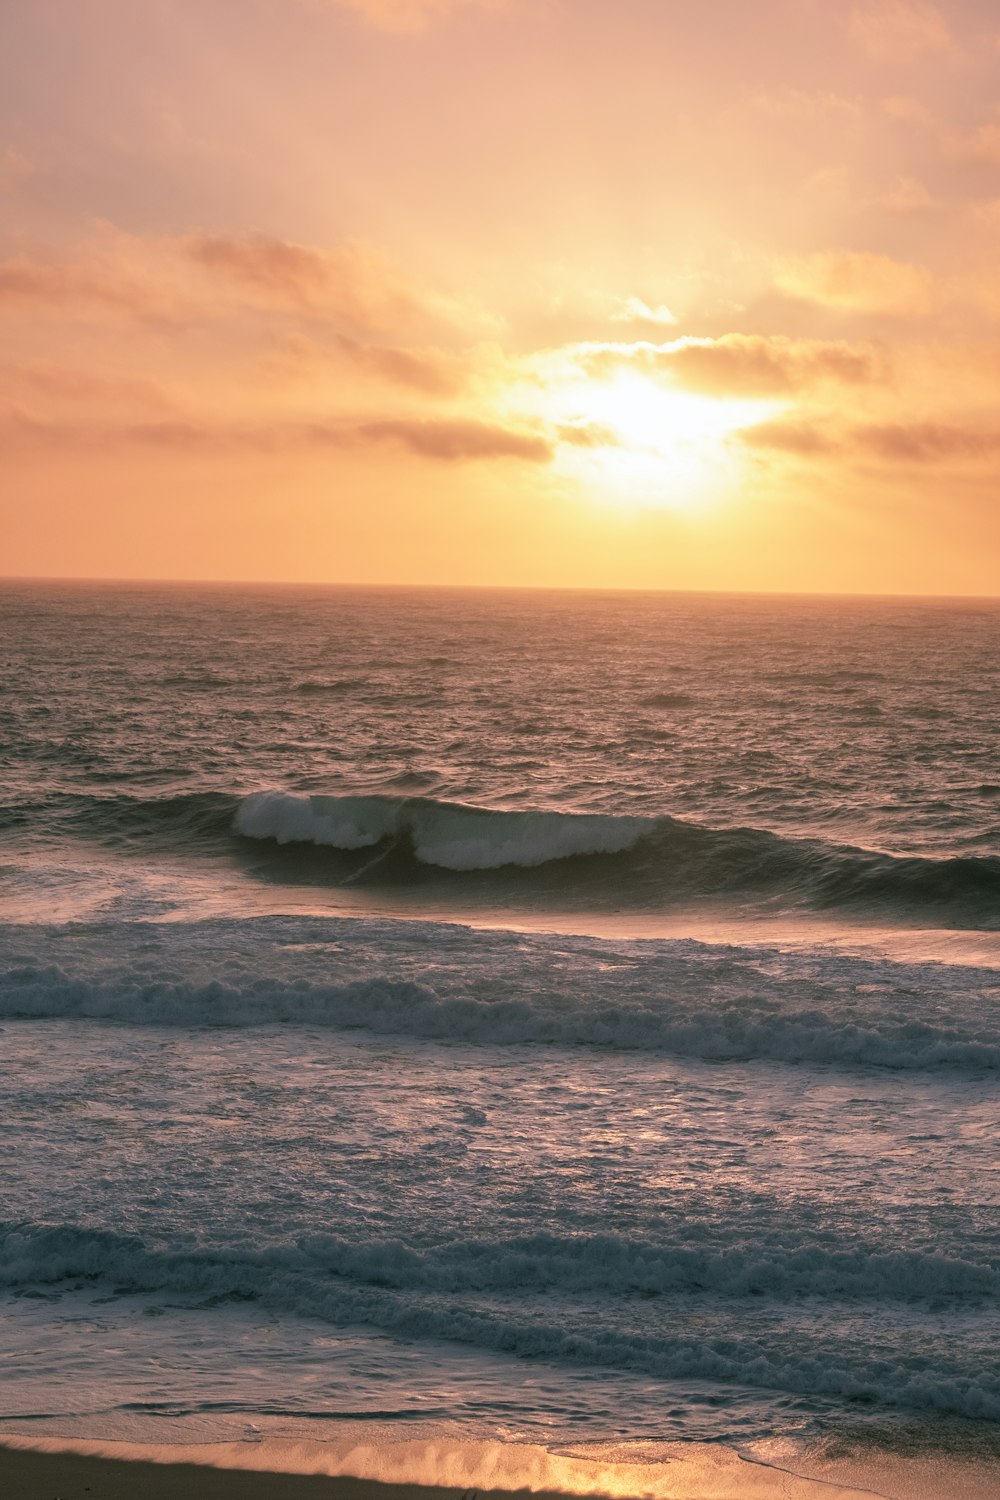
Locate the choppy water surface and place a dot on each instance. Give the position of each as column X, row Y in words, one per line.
column 280, row 1153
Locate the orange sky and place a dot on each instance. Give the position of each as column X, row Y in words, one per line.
column 625, row 293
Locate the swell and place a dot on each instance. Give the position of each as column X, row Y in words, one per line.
column 450, row 1292
column 530, row 855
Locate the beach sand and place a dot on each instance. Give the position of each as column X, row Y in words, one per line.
column 75, row 1476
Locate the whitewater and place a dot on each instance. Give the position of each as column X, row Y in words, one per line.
column 562, row 1020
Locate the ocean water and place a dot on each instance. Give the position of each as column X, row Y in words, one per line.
column 563, row 1019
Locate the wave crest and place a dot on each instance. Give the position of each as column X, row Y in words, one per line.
column 446, row 834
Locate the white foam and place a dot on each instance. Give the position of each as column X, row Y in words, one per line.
column 681, row 1026
column 499, row 988
column 339, row 823
column 448, row 835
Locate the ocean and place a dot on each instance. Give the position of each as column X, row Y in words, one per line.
column 561, row 1019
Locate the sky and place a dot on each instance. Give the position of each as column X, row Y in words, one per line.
column 575, row 293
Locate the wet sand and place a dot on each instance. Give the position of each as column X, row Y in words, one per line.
column 43, row 1469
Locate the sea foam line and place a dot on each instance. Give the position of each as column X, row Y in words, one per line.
column 711, row 1028
column 447, row 983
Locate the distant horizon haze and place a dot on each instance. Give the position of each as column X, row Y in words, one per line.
column 472, row 587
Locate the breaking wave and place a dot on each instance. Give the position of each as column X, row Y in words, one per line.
column 681, row 860
column 533, row 853
column 448, row 835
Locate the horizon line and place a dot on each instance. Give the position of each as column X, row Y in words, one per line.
column 524, row 588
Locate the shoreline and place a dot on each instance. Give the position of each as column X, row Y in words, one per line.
column 37, row 1468
column 437, row 1469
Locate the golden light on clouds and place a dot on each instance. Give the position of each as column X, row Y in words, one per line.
column 635, row 442
column 859, row 282
column 482, row 291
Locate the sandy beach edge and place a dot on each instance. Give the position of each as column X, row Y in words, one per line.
column 77, row 1469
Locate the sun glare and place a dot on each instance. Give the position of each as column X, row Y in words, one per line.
column 642, row 442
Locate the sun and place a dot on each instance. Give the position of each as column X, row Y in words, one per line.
column 635, row 440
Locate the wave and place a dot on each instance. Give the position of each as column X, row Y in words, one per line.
column 616, row 859
column 832, row 678
column 452, row 984
column 198, row 682
column 334, row 687
column 448, row 835
column 668, row 700
column 181, row 819
column 449, row 1292
column 682, row 860
column 612, row 1264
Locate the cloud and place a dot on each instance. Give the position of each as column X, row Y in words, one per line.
column 896, row 30
column 588, row 435
column 208, row 278
column 405, row 15
column 858, row 282
column 799, row 438
column 67, row 384
column 927, row 442
column 429, row 371
column 351, row 282
column 741, row 364
column 451, row 441
column 896, row 443
column 91, row 286
column 908, row 197
column 459, row 439
column 433, row 372
column 835, row 184
column 792, row 105
column 635, row 310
